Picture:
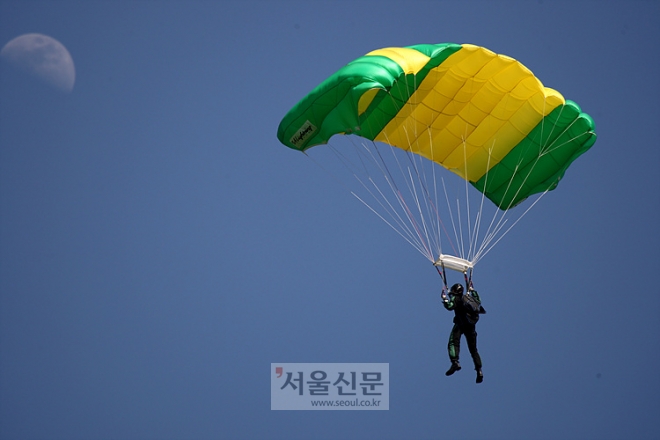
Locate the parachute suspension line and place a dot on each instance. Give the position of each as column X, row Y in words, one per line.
column 418, row 235
column 381, row 164
column 415, row 236
column 431, row 231
column 472, row 230
column 475, row 233
column 460, row 227
column 488, row 243
column 499, row 217
column 409, row 236
column 419, row 210
column 502, row 218
column 467, row 198
column 550, row 147
column 468, row 220
column 347, row 164
column 429, row 205
column 410, row 241
column 483, row 254
column 478, row 249
column 544, row 148
column 441, row 225
column 413, row 191
column 432, row 237
column 566, row 142
column 481, row 206
column 498, row 220
column 402, row 205
column 451, row 216
column 496, row 213
column 423, row 238
column 431, row 202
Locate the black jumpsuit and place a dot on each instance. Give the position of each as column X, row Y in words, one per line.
column 465, row 321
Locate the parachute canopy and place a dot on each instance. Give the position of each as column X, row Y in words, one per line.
column 481, row 115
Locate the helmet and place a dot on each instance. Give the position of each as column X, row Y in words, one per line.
column 457, row 289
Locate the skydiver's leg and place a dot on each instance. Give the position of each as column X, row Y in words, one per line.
column 471, row 338
column 454, row 347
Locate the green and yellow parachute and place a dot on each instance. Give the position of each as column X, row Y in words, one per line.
column 481, row 115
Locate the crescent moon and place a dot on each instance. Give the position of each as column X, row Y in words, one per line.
column 42, row 57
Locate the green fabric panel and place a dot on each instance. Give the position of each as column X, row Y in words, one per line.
column 332, row 106
column 540, row 160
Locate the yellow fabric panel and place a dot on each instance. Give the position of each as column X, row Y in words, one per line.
column 505, row 136
column 509, row 77
column 487, row 98
column 551, row 98
column 483, row 134
column 467, row 62
column 478, row 105
column 423, row 114
column 450, row 84
column 526, row 118
column 472, row 114
column 441, row 121
column 478, row 164
column 365, row 100
column 398, row 138
column 496, row 64
column 440, row 139
column 469, row 89
column 410, row 60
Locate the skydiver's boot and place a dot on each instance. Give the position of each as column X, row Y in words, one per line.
column 480, row 375
column 455, row 366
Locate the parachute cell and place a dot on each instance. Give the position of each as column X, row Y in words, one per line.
column 481, row 115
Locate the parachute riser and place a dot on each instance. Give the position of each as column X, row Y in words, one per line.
column 443, row 275
column 468, row 280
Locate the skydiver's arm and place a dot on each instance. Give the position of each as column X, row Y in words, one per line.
column 448, row 302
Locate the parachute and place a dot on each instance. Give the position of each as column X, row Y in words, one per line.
column 483, row 116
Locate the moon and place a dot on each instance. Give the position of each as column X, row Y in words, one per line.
column 43, row 57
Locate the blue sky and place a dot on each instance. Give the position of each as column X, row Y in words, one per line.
column 159, row 248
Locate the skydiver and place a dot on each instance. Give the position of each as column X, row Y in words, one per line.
column 467, row 309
